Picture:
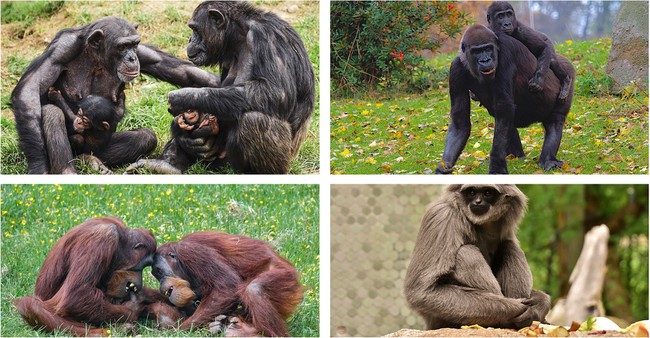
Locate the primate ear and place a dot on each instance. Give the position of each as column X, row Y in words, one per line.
column 218, row 17
column 95, row 38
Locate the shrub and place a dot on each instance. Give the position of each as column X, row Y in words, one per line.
column 377, row 45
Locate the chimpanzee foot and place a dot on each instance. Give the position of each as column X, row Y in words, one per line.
column 95, row 163
column 155, row 166
column 69, row 170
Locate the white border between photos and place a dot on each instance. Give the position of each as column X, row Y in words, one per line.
column 324, row 179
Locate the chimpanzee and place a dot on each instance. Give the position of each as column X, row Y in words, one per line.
column 96, row 59
column 266, row 96
column 90, row 130
column 501, row 17
column 496, row 67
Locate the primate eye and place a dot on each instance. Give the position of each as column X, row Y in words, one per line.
column 487, row 193
column 471, row 192
column 138, row 246
column 172, row 255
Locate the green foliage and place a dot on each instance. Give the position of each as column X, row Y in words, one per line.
column 34, row 217
column 375, row 44
column 404, row 133
column 28, row 11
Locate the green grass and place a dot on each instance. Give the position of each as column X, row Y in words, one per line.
column 27, row 12
column 163, row 25
column 34, row 217
column 405, row 133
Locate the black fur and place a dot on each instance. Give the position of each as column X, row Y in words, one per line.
column 85, row 61
column 267, row 91
column 505, row 95
column 502, row 18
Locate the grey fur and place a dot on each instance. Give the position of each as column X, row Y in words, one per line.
column 467, row 269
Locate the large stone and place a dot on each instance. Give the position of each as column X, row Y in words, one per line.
column 628, row 57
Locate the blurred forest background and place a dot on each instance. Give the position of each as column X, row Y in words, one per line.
column 552, row 235
column 374, row 227
column 559, row 20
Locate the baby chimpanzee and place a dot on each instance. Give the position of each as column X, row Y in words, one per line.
column 198, row 125
column 91, row 128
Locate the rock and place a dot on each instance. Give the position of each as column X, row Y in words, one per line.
column 292, row 9
column 628, row 57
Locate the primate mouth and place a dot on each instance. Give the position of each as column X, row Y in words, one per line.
column 131, row 74
column 479, row 209
column 488, row 72
column 508, row 31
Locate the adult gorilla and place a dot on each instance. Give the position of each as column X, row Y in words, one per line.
column 497, row 68
column 95, row 59
column 265, row 99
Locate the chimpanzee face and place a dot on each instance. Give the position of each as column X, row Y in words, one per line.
column 114, row 42
column 126, row 58
column 209, row 24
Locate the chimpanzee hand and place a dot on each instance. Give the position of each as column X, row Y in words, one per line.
column 179, row 99
column 202, row 148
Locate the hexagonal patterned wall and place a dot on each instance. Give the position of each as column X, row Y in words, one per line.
column 373, row 231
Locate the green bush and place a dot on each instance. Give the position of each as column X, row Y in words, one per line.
column 28, row 11
column 376, row 45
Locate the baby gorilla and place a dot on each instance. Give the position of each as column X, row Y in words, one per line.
column 198, row 125
column 91, row 128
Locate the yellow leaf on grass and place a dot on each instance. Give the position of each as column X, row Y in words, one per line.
column 346, row 153
column 370, row 160
column 365, row 112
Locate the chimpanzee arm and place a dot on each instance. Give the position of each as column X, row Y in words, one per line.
column 41, row 74
column 460, row 126
column 171, row 69
column 226, row 104
column 57, row 98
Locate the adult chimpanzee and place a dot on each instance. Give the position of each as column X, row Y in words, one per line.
column 266, row 96
column 497, row 70
column 95, row 59
column 91, row 128
column 501, row 17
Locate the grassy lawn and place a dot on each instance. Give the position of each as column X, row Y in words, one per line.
column 28, row 27
column 405, row 133
column 34, row 217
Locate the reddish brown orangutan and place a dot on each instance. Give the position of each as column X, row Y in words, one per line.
column 91, row 276
column 238, row 279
